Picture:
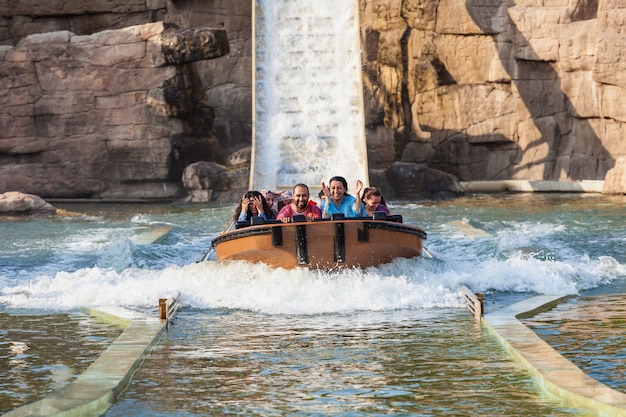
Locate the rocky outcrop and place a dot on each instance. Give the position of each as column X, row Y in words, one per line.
column 208, row 181
column 116, row 114
column 615, row 181
column 14, row 202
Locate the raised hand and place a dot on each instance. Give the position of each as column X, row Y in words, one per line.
column 326, row 191
column 258, row 203
column 359, row 187
column 244, row 204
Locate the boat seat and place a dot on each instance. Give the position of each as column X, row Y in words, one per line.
column 395, row 218
column 256, row 220
column 298, row 218
column 379, row 215
column 239, row 225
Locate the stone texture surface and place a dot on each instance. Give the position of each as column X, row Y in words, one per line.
column 14, row 202
column 479, row 89
column 615, row 182
column 115, row 114
column 209, row 181
column 495, row 90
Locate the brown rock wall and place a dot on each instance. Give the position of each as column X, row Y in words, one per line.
column 483, row 89
column 227, row 81
column 25, row 17
column 101, row 115
column 499, row 90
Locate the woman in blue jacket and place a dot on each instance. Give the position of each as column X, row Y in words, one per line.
column 337, row 200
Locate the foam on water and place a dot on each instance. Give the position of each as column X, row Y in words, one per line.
column 47, row 264
column 404, row 284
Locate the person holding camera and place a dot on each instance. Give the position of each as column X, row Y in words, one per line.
column 253, row 204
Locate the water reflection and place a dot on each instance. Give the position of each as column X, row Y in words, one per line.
column 408, row 362
column 42, row 353
column 591, row 332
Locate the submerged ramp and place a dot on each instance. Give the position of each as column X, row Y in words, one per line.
column 554, row 373
column 308, row 122
column 95, row 390
column 152, row 235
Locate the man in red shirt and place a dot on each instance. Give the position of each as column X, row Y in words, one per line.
column 299, row 206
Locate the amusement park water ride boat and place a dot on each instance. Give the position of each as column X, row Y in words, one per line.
column 338, row 242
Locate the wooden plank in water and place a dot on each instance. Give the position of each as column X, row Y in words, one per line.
column 469, row 230
column 474, row 302
column 151, row 236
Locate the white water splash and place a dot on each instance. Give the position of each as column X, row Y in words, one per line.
column 308, row 94
column 45, row 264
column 403, row 284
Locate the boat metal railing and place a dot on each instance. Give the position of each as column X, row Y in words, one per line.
column 378, row 215
column 263, row 226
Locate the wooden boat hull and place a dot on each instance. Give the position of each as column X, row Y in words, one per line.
column 323, row 244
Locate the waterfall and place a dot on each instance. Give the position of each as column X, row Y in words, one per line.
column 308, row 120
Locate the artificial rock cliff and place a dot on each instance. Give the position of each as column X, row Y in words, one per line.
column 494, row 90
column 115, row 99
column 115, row 114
